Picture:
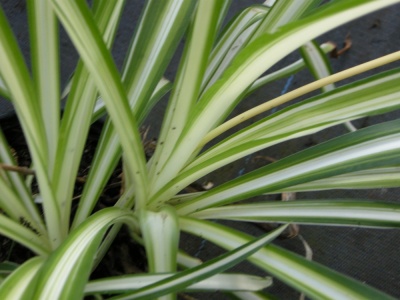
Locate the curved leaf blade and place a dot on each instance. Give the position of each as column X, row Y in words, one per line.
column 3, row 89
column 66, row 271
column 218, row 101
column 79, row 23
column 13, row 185
column 322, row 212
column 207, row 269
column 187, row 86
column 16, row 76
column 44, row 42
column 286, row 71
column 25, row 236
column 235, row 36
column 367, row 179
column 19, row 284
column 75, row 124
column 317, row 62
column 374, row 146
column 161, row 27
column 348, row 102
column 282, row 13
column 315, row 280
column 320, row 67
column 220, row 282
column 375, row 95
column 155, row 39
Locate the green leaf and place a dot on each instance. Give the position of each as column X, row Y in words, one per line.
column 3, row 89
column 7, row 267
column 162, row 88
column 284, row 98
column 282, row 13
column 187, row 86
column 234, row 37
column 317, row 62
column 160, row 36
column 286, row 71
column 158, row 33
column 375, row 95
column 15, row 198
column 374, row 146
column 24, row 234
column 219, row 282
column 320, row 67
column 335, row 212
column 15, row 76
column 366, row 179
column 215, row 105
column 349, row 102
column 78, row 22
column 18, row 284
column 315, row 280
column 44, row 42
column 21, row 88
column 105, row 160
column 66, row 271
column 217, row 265
column 248, row 25
column 75, row 122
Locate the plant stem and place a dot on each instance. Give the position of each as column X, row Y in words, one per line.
column 21, row 170
column 297, row 93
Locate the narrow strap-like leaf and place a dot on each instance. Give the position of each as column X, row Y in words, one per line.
column 24, row 235
column 20, row 284
column 286, row 71
column 356, row 100
column 187, row 86
column 207, row 269
column 44, row 42
column 21, row 206
column 323, row 212
column 158, row 33
column 3, row 89
column 282, row 13
column 320, row 67
column 108, row 152
column 66, row 271
column 75, row 123
column 78, row 22
column 315, row 280
column 21, row 88
column 235, row 36
column 349, row 102
column 317, row 62
column 374, row 146
column 379, row 178
column 218, row 101
column 219, row 282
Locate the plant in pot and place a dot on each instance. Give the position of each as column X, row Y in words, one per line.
column 217, row 70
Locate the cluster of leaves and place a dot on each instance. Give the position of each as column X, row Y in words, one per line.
column 218, row 69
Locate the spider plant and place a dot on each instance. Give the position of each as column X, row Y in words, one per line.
column 219, row 67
